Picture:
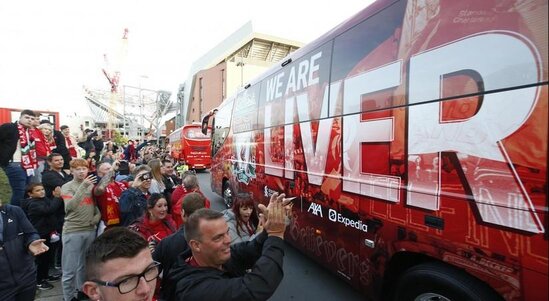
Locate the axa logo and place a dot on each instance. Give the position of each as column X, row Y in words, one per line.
column 315, row 209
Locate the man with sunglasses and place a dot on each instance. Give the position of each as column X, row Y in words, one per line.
column 133, row 202
column 119, row 267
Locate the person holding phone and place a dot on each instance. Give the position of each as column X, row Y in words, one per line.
column 107, row 193
column 81, row 219
column 133, row 202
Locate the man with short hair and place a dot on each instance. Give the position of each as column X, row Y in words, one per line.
column 81, row 219
column 55, row 176
column 61, row 148
column 107, row 194
column 17, row 154
column 170, row 180
column 70, row 141
column 53, row 179
column 190, row 184
column 218, row 271
column 119, row 267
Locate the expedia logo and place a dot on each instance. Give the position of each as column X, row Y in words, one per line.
column 336, row 217
column 332, row 215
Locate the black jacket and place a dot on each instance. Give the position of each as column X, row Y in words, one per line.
column 17, row 267
column 170, row 181
column 133, row 203
column 264, row 255
column 169, row 248
column 50, row 180
column 9, row 137
column 61, row 148
column 41, row 213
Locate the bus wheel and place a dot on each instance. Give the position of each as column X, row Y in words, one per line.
column 437, row 281
column 227, row 194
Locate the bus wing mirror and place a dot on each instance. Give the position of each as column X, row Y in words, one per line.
column 206, row 120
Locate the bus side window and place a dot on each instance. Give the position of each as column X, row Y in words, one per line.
column 221, row 123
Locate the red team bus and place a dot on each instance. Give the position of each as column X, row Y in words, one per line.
column 414, row 138
column 190, row 145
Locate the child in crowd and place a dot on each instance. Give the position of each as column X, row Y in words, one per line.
column 41, row 213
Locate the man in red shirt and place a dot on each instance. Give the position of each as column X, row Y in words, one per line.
column 190, row 184
column 106, row 194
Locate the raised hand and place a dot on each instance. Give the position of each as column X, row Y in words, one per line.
column 57, row 192
column 274, row 213
column 136, row 182
column 90, row 179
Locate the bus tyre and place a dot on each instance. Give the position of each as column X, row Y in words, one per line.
column 227, row 194
column 437, row 281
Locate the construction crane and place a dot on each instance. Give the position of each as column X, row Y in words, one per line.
column 114, row 79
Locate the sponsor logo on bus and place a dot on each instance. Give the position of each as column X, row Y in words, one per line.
column 336, row 217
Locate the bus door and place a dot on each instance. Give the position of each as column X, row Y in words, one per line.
column 372, row 151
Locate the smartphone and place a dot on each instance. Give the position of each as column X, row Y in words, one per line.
column 287, row 201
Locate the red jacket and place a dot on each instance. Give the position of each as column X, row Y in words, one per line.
column 177, row 203
column 154, row 231
column 40, row 143
column 108, row 203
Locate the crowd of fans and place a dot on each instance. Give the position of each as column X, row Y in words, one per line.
column 125, row 204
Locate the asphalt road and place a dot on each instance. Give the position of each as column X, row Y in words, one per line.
column 303, row 278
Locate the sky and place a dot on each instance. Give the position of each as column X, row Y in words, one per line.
column 50, row 49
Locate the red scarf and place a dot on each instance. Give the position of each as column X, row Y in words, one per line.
column 28, row 153
column 72, row 149
column 108, row 203
column 132, row 153
column 52, row 145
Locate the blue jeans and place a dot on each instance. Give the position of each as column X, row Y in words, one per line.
column 18, row 181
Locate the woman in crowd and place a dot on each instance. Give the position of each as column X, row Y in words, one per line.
column 157, row 183
column 133, row 201
column 242, row 219
column 43, row 147
column 90, row 158
column 156, row 224
column 47, row 130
